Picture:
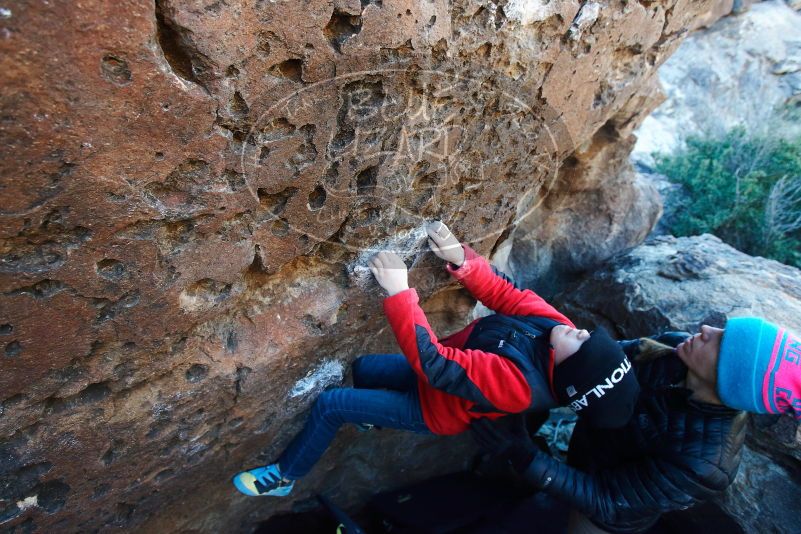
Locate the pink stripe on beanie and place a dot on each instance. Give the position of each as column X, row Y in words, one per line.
column 759, row 367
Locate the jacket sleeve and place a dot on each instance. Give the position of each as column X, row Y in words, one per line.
column 490, row 381
column 634, row 491
column 497, row 291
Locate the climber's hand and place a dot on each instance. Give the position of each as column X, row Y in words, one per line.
column 390, row 272
column 444, row 244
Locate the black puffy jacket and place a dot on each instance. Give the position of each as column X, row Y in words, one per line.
column 674, row 452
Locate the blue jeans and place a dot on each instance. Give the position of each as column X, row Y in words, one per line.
column 384, row 394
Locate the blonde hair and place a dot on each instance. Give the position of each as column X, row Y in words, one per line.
column 651, row 350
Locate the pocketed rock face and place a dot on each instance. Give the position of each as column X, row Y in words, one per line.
column 678, row 284
column 191, row 189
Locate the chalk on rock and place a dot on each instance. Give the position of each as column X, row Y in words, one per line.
column 330, row 372
column 408, row 245
column 585, row 18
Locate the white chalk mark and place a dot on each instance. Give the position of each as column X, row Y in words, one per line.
column 408, row 245
column 585, row 18
column 28, row 502
column 330, row 372
column 529, row 11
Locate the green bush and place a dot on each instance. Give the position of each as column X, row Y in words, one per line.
column 743, row 188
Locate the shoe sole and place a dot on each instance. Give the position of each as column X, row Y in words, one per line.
column 243, row 488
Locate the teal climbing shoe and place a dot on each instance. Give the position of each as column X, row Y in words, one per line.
column 263, row 481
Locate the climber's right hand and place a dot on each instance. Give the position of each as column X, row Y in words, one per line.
column 444, row 244
column 390, row 272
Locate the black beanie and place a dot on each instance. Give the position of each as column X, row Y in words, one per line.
column 597, row 382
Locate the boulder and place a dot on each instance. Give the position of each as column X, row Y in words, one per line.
column 191, row 190
column 672, row 196
column 672, row 283
column 764, row 495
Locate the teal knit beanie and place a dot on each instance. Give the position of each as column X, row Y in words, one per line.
column 759, row 367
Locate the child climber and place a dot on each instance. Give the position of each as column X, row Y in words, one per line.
column 527, row 357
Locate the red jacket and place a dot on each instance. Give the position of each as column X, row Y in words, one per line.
column 488, row 375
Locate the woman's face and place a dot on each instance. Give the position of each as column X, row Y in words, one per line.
column 566, row 341
column 700, row 353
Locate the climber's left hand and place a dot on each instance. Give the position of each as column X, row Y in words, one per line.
column 390, row 272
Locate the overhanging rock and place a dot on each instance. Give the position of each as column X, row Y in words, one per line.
column 189, row 186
